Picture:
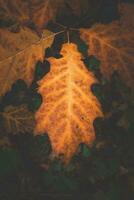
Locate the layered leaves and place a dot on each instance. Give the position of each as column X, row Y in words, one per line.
column 38, row 12
column 19, row 54
column 69, row 107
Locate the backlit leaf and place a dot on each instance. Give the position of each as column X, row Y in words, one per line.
column 69, row 107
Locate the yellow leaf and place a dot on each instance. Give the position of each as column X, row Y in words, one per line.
column 113, row 44
column 69, row 107
column 18, row 120
column 19, row 53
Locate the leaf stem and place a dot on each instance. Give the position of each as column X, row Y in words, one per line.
column 59, row 24
column 68, row 37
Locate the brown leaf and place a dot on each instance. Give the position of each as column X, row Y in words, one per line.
column 15, row 9
column 18, row 120
column 69, row 107
column 44, row 11
column 113, row 44
column 19, row 54
column 37, row 11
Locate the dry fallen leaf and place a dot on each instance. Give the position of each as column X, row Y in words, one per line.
column 113, row 44
column 69, row 107
column 18, row 120
column 19, row 53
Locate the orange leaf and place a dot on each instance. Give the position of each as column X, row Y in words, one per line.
column 69, row 107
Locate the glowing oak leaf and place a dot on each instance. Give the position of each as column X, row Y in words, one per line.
column 113, row 44
column 69, row 107
column 19, row 53
column 17, row 120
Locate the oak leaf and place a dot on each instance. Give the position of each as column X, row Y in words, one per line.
column 113, row 44
column 19, row 53
column 69, row 107
column 17, row 119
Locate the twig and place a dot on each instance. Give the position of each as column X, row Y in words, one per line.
column 74, row 29
column 59, row 24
